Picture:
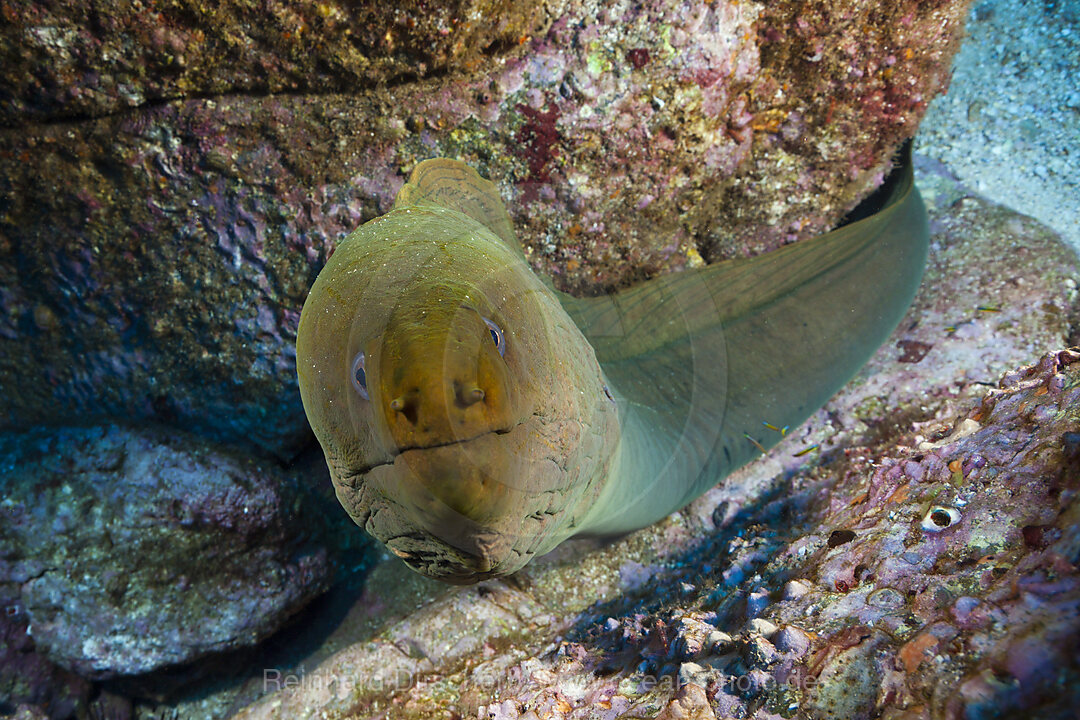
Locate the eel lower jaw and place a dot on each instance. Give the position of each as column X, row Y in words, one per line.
column 436, row 559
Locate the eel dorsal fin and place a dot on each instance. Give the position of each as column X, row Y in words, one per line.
column 454, row 185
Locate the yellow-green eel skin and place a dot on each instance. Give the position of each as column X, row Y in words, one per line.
column 472, row 417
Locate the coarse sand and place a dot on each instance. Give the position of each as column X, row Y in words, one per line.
column 1009, row 127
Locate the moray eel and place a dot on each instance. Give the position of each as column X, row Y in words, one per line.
column 472, row 417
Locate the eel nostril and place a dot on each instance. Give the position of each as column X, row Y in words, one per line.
column 467, row 396
column 405, row 407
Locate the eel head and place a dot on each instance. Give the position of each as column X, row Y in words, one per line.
column 461, row 412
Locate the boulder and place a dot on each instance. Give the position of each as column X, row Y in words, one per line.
column 132, row 550
column 172, row 179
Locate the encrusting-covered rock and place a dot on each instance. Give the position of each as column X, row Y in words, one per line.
column 172, row 179
column 132, row 550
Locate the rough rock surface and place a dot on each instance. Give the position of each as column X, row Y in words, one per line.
column 921, row 562
column 156, row 248
column 132, row 550
column 84, row 59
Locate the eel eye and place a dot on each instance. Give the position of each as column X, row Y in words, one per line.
column 358, row 376
column 497, row 337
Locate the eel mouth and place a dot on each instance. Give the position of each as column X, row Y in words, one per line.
column 353, row 477
column 458, row 511
column 475, row 478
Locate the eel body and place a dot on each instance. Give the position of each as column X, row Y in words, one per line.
column 472, row 417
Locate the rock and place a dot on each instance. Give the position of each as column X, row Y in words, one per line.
column 111, row 706
column 72, row 60
column 794, row 589
column 692, row 638
column 761, row 627
column 168, row 198
column 756, row 602
column 27, row 712
column 690, row 672
column 138, row 549
column 848, row 679
column 758, row 652
column 718, row 642
column 690, row 703
column 791, row 640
